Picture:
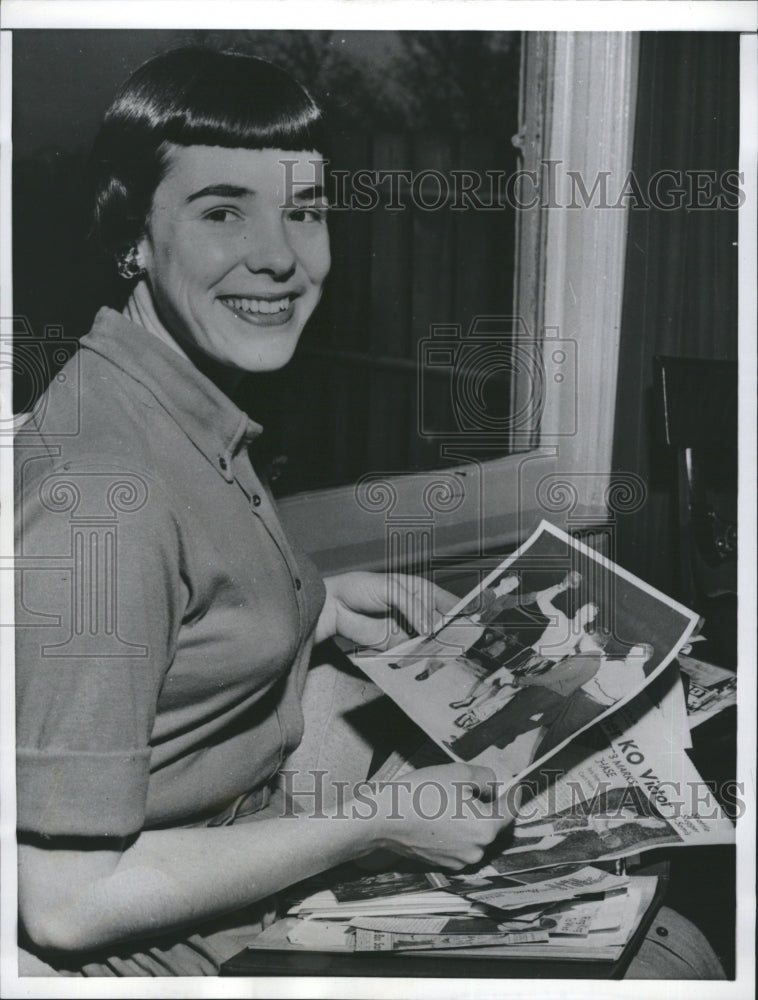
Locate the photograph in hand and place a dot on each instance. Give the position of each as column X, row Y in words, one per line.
column 550, row 642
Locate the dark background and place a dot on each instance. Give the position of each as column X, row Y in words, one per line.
column 680, row 292
column 348, row 402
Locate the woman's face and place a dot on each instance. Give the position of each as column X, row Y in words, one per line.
column 236, row 251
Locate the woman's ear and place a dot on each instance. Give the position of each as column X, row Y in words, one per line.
column 144, row 251
column 130, row 263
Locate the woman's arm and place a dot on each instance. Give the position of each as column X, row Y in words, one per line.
column 75, row 896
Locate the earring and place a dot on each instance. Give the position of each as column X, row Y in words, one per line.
column 128, row 264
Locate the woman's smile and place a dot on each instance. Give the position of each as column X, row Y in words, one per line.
column 261, row 311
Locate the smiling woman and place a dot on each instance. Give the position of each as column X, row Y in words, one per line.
column 160, row 694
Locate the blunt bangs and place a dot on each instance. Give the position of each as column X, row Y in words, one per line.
column 190, row 97
column 203, row 97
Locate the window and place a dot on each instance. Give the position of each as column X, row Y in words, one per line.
column 422, row 237
column 576, row 125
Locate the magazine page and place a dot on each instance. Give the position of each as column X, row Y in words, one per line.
column 554, row 639
column 619, row 789
column 667, row 694
column 711, row 689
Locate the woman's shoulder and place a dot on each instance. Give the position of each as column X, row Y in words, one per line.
column 89, row 448
column 92, row 413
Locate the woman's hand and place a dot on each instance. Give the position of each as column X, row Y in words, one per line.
column 365, row 608
column 446, row 815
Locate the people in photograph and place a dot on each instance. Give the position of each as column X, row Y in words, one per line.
column 498, row 687
column 536, row 704
column 590, row 639
column 150, row 739
column 487, row 604
column 481, row 661
column 523, row 614
column 616, row 678
column 441, row 649
column 531, row 659
column 560, row 634
column 437, row 653
column 484, row 607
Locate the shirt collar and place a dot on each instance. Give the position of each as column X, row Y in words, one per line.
column 214, row 424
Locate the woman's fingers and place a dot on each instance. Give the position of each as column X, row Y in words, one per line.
column 422, row 602
column 481, row 780
column 366, row 630
column 441, row 814
column 484, row 782
column 412, row 598
column 372, row 596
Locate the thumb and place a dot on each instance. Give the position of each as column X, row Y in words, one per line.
column 362, row 629
column 484, row 781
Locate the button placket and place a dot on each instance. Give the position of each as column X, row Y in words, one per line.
column 250, row 485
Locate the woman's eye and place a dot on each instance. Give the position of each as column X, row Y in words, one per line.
column 315, row 213
column 221, row 215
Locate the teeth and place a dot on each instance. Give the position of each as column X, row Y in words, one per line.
column 259, row 305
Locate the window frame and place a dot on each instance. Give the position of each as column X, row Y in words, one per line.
column 578, row 95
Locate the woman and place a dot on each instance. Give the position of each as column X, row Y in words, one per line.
column 160, row 679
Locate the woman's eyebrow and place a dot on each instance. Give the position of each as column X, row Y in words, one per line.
column 220, row 190
column 313, row 192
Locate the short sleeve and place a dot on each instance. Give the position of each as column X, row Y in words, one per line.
column 98, row 604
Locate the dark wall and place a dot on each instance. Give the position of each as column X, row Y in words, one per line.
column 680, row 295
column 405, row 100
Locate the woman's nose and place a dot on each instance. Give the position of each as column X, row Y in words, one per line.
column 268, row 249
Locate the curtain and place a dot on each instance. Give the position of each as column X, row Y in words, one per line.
column 680, row 293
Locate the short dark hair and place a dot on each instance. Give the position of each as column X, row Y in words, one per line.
column 187, row 97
